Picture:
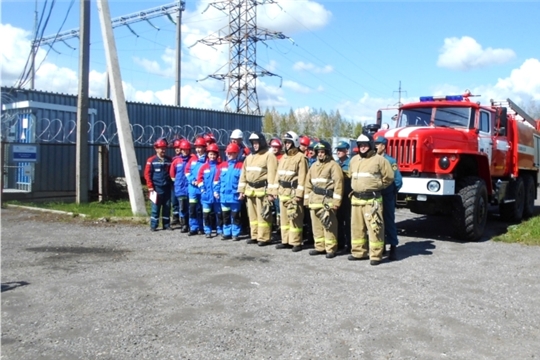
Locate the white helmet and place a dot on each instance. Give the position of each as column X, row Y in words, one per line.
column 237, row 134
column 292, row 136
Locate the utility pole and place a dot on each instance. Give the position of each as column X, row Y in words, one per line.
column 81, row 156
column 181, row 6
column 242, row 36
column 399, row 103
column 34, row 51
column 125, row 139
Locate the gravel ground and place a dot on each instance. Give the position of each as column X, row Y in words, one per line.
column 72, row 289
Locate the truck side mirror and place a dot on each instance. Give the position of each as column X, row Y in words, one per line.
column 379, row 117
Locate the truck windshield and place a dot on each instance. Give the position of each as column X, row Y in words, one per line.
column 444, row 116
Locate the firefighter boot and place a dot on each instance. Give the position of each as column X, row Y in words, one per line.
column 392, row 256
column 315, row 252
column 175, row 220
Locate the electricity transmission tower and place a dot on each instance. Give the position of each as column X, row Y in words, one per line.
column 242, row 35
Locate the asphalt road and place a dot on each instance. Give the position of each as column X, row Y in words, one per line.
column 78, row 290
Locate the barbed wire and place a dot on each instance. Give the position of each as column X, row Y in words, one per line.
column 47, row 130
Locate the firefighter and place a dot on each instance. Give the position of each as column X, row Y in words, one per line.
column 226, row 190
column 311, row 154
column 370, row 174
column 290, row 179
column 205, row 180
column 389, row 199
column 175, row 205
column 180, row 181
column 256, row 178
column 194, row 193
column 158, row 180
column 324, row 189
column 344, row 211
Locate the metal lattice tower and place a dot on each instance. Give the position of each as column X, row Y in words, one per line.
column 242, row 35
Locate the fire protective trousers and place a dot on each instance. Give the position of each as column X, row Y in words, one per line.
column 325, row 240
column 260, row 228
column 364, row 236
column 291, row 230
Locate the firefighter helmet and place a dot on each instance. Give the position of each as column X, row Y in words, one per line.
column 293, row 137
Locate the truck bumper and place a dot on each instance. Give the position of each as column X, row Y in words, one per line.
column 427, row 186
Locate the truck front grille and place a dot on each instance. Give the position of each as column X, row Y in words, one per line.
column 403, row 150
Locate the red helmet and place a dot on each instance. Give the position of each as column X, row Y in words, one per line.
column 176, row 143
column 276, row 143
column 161, row 143
column 200, row 142
column 185, row 145
column 209, row 138
column 304, row 140
column 232, row 148
column 212, row 147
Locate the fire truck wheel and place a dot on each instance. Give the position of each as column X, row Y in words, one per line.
column 530, row 194
column 513, row 211
column 470, row 208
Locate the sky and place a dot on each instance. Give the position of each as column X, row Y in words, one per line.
column 349, row 56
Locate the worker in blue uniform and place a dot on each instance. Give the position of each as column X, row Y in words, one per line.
column 344, row 211
column 389, row 199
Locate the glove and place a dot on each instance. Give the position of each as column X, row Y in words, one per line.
column 266, row 211
column 324, row 215
column 292, row 209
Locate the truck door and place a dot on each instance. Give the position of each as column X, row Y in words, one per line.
column 485, row 140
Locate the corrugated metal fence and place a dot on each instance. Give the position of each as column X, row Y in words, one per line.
column 48, row 121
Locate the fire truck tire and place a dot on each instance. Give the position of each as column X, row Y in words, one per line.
column 530, row 194
column 513, row 211
column 470, row 208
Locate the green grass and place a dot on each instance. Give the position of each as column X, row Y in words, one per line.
column 526, row 233
column 94, row 210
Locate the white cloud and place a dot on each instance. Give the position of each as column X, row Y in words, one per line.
column 302, row 66
column 296, row 87
column 524, row 80
column 289, row 17
column 466, row 54
column 364, row 110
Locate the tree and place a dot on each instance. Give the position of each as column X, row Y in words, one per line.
column 532, row 108
column 269, row 126
column 325, row 127
column 357, row 130
column 309, row 125
column 292, row 122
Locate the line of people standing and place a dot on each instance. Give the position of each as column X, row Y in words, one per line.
column 349, row 204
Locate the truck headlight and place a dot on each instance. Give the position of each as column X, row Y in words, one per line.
column 444, row 163
column 433, row 186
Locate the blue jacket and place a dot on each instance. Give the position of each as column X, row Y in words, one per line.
column 398, row 180
column 178, row 174
column 205, row 180
column 192, row 171
column 227, row 179
column 156, row 174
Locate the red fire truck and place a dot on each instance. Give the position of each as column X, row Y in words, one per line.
column 457, row 157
